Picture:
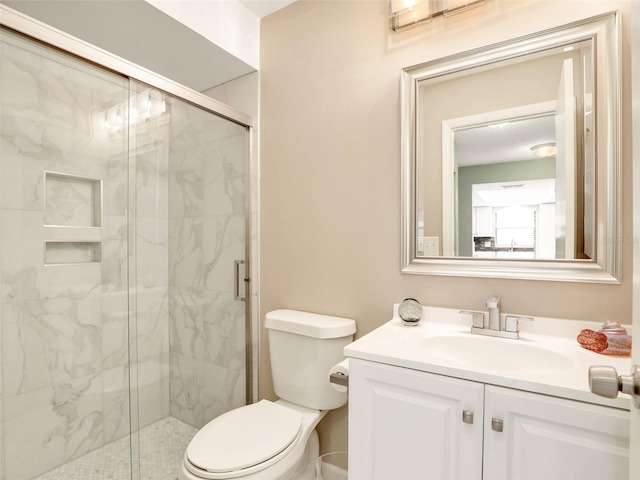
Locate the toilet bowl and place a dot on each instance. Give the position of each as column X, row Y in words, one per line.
column 277, row 440
column 263, row 441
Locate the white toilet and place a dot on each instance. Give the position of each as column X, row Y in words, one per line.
column 277, row 440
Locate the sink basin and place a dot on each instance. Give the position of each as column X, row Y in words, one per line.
column 486, row 353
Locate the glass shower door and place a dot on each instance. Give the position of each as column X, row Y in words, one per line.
column 190, row 228
column 64, row 386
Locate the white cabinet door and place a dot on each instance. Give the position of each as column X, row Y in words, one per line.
column 482, row 222
column 553, row 439
column 408, row 425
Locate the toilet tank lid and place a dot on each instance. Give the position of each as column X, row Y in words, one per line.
column 309, row 324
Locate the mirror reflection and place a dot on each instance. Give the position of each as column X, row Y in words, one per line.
column 505, row 158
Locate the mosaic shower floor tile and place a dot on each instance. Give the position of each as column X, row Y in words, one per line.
column 162, row 445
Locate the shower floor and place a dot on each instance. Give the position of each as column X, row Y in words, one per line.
column 162, row 445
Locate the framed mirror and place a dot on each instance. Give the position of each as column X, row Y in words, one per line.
column 511, row 158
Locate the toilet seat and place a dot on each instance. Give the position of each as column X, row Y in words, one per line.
column 243, row 441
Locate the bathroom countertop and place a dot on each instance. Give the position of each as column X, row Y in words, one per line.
column 556, row 364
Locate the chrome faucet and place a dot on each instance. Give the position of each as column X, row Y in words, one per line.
column 493, row 304
column 490, row 323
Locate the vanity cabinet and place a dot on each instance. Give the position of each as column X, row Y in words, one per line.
column 552, row 438
column 405, row 424
column 408, row 424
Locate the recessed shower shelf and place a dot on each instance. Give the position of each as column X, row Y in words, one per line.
column 72, row 200
column 72, row 253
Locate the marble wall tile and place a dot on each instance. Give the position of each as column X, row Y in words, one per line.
column 152, row 388
column 114, row 270
column 225, row 177
column 152, row 322
column 218, row 128
column 22, row 175
column 224, row 331
column 53, row 87
column 224, row 390
column 224, row 240
column 187, row 125
column 115, row 402
column 186, row 252
column 152, row 259
column 186, row 322
column 24, row 172
column 152, row 182
column 186, row 182
column 241, row 93
column 201, row 391
column 186, row 387
column 26, row 278
column 50, row 426
column 22, row 255
column 114, row 176
column 115, row 329
column 50, row 341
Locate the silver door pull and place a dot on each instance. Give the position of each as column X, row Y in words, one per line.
column 236, row 280
column 497, row 424
column 467, row 417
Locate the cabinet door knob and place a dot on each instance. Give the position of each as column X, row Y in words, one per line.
column 467, row 417
column 497, row 424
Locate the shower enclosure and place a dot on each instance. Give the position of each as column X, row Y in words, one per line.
column 123, row 249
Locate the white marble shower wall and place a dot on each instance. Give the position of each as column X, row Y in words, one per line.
column 207, row 230
column 64, row 327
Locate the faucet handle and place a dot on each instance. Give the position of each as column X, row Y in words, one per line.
column 493, row 301
column 511, row 322
column 477, row 318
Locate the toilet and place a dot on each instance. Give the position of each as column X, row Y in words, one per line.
column 277, row 440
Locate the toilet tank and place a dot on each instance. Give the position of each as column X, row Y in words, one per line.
column 303, row 347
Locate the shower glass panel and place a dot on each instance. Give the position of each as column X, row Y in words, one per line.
column 64, row 337
column 190, row 229
column 124, row 219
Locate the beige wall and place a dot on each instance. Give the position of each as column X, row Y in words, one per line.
column 330, row 168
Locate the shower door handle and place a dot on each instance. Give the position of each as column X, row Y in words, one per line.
column 236, row 281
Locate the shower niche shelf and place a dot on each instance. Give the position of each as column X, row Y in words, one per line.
column 72, row 200
column 72, row 219
column 72, row 253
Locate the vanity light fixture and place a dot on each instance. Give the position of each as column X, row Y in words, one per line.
column 544, row 150
column 408, row 13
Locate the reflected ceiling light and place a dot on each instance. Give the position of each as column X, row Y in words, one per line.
column 145, row 105
column 544, row 150
column 407, row 13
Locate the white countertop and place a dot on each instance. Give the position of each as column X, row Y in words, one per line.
column 562, row 373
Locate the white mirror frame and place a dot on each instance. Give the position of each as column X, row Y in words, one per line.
column 605, row 32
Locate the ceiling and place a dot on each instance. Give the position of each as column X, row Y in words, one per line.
column 262, row 8
column 503, row 142
column 139, row 32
